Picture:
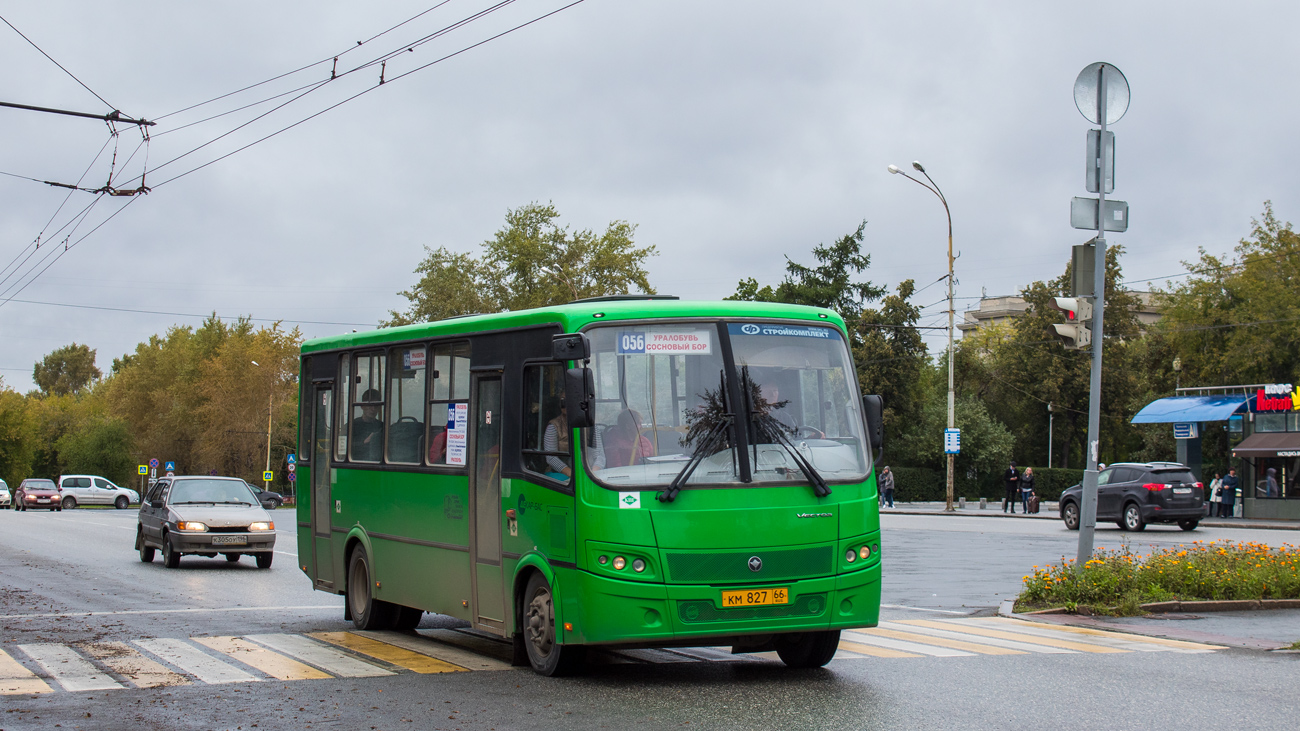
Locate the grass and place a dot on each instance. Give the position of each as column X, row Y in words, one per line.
column 1118, row 582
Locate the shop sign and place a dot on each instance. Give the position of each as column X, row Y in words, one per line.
column 1277, row 397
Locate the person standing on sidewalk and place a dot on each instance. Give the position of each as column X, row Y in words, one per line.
column 1012, row 480
column 1216, row 496
column 887, row 487
column 1026, row 488
column 1228, row 494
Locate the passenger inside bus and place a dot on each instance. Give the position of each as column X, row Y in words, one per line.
column 625, row 444
column 367, row 429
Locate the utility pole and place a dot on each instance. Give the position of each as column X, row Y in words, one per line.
column 270, row 410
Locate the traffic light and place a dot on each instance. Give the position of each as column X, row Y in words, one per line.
column 1076, row 332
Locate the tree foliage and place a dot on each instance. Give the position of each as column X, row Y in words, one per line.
column 17, row 436
column 70, row 369
column 892, row 358
column 532, row 261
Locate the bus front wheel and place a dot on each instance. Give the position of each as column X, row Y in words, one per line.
column 547, row 656
column 807, row 649
column 368, row 613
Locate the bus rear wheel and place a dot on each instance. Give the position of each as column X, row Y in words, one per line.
column 368, row 612
column 547, row 656
column 807, row 649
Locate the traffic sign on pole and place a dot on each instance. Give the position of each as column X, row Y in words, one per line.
column 952, row 441
column 293, row 477
column 292, row 467
column 142, row 469
column 170, row 466
column 154, row 463
column 293, row 459
column 268, row 475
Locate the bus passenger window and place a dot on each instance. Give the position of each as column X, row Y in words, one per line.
column 343, row 399
column 367, row 428
column 546, row 448
column 449, row 389
column 406, row 370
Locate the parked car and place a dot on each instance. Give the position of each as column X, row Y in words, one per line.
column 4, row 494
column 1134, row 494
column 205, row 516
column 34, row 492
column 269, row 500
column 95, row 490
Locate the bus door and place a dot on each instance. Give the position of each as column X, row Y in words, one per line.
column 322, row 438
column 485, row 503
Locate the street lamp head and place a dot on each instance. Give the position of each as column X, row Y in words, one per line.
column 917, row 164
column 893, row 169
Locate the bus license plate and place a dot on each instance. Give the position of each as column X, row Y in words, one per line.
column 230, row 540
column 755, row 597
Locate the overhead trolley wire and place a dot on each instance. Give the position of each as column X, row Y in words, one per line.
column 56, row 63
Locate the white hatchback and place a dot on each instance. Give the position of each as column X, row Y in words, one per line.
column 5, row 499
column 95, row 490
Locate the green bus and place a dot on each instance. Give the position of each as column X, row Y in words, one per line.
column 631, row 471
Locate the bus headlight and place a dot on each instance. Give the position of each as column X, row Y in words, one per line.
column 851, row 556
column 638, row 565
column 619, row 563
column 865, row 552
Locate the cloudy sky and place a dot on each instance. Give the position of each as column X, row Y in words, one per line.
column 732, row 133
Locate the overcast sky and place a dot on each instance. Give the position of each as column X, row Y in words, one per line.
column 731, row 133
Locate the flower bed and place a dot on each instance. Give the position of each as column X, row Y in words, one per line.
column 1120, row 581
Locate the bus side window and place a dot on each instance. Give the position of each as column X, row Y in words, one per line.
column 343, row 398
column 546, row 437
column 449, row 386
column 406, row 370
column 367, row 429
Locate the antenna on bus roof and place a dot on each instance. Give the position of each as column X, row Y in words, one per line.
column 626, row 297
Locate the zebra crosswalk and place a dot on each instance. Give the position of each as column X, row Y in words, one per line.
column 164, row 662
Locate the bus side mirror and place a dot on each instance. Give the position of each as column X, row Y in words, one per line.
column 572, row 346
column 580, row 397
column 873, row 407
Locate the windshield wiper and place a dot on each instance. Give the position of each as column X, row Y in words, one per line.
column 774, row 431
column 711, row 438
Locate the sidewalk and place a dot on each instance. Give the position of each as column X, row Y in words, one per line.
column 1050, row 511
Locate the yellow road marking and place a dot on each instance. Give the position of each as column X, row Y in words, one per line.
column 272, row 663
column 1018, row 637
column 392, row 654
column 873, row 651
column 941, row 642
column 1181, row 644
column 124, row 660
column 18, row 680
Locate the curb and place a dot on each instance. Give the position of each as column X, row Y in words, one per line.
column 1007, row 608
column 958, row 512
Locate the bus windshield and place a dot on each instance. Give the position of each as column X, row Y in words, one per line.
column 664, row 394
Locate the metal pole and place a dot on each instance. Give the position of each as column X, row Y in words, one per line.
column 952, row 400
column 1051, row 416
column 1088, row 512
column 270, row 409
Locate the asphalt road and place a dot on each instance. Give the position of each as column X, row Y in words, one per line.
column 55, row 568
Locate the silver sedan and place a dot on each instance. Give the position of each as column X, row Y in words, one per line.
column 205, row 516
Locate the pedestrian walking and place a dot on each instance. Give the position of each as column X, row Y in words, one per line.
column 1216, row 495
column 1270, row 482
column 1011, row 478
column 887, row 487
column 1026, row 488
column 1228, row 494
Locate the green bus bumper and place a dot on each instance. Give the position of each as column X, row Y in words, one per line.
column 613, row 611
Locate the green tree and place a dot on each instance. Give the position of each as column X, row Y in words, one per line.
column 892, row 358
column 830, row 283
column 532, row 261
column 17, row 437
column 70, row 369
column 100, row 446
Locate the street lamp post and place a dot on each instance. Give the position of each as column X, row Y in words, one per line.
column 933, row 187
column 270, row 410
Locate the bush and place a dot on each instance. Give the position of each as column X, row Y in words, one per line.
column 1117, row 582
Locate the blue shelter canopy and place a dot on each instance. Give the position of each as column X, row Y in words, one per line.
column 1190, row 408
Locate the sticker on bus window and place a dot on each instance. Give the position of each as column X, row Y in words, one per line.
column 413, row 360
column 685, row 342
column 457, row 431
column 789, row 331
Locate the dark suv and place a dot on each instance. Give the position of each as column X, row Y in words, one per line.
column 1136, row 493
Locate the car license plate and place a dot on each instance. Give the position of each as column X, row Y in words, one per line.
column 230, row 540
column 755, row 597
column 42, row 500
column 1182, row 491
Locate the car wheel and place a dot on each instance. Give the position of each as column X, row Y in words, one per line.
column 547, row 656
column 1188, row 524
column 1070, row 514
column 232, row 557
column 807, row 649
column 146, row 552
column 121, row 503
column 171, row 559
column 264, row 559
column 69, row 502
column 367, row 612
column 1133, row 518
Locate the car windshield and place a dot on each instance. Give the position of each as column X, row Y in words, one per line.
column 39, row 484
column 663, row 394
column 211, row 491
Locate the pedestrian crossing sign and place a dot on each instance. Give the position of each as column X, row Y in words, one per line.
column 142, row 469
column 268, row 475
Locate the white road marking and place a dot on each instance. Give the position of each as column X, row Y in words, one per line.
column 903, row 645
column 195, row 662
column 72, row 671
column 321, row 655
column 980, row 639
column 188, row 610
column 922, row 609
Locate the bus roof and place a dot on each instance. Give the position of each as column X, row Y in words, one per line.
column 574, row 316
